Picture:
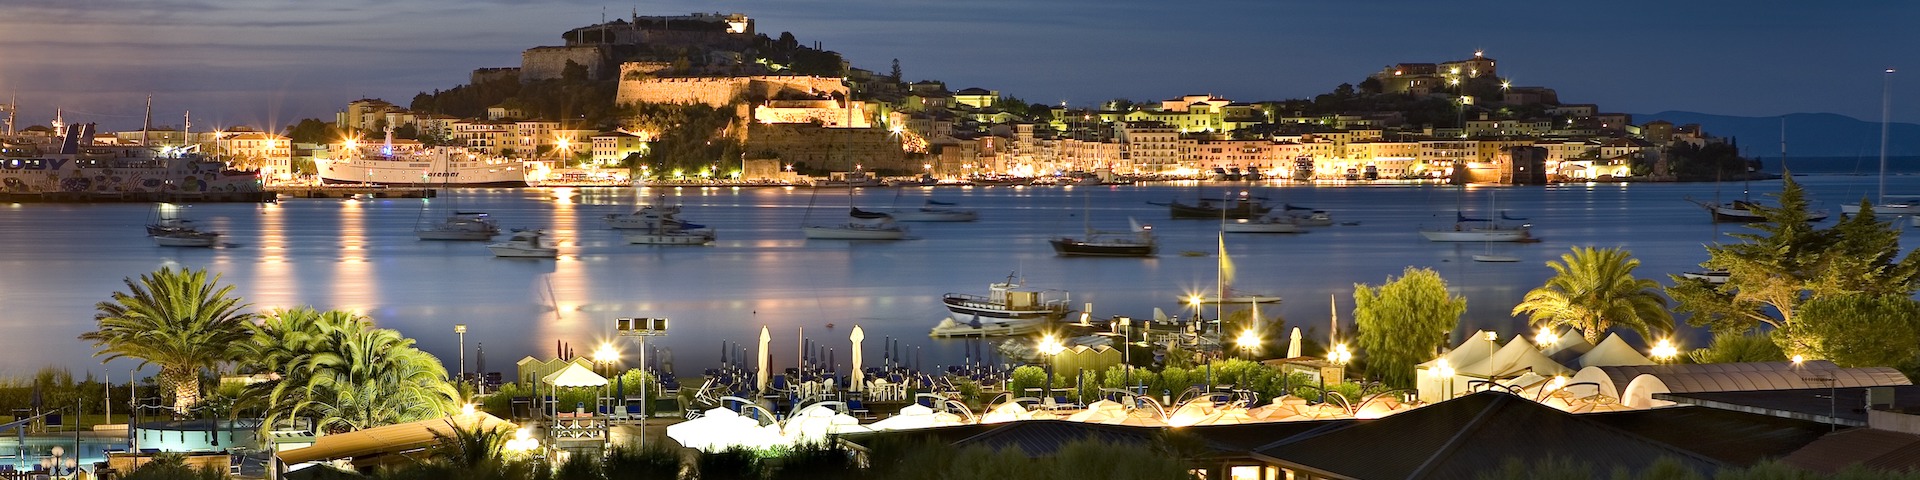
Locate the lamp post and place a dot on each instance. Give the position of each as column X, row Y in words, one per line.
column 1248, row 341
column 1126, row 340
column 1664, row 351
column 1049, row 347
column 641, row 328
column 1444, row 373
column 461, row 330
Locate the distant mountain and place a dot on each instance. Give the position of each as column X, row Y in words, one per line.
column 1808, row 134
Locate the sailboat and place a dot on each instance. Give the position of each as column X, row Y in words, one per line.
column 1907, row 206
column 460, row 226
column 1468, row 229
column 860, row 225
column 173, row 231
column 1136, row 242
column 1745, row 210
column 1489, row 256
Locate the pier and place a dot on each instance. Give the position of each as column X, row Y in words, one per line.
column 348, row 191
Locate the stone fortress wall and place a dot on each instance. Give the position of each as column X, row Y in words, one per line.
column 717, row 91
column 547, row 63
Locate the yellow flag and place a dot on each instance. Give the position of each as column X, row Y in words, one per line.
column 1226, row 266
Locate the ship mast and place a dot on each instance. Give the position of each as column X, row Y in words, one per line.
column 1886, row 111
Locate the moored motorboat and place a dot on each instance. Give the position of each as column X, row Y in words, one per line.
column 524, row 244
column 1239, row 208
column 1715, row 277
column 1137, row 243
column 1008, row 309
column 1495, row 258
column 1742, row 211
column 467, row 226
column 1265, row 224
column 671, row 236
column 650, row 216
column 935, row 211
column 1308, row 217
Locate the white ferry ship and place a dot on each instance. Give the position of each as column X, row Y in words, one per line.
column 76, row 170
column 435, row 167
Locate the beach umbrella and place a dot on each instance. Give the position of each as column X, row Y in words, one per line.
column 1006, row 412
column 715, row 431
column 1293, row 345
column 1102, row 411
column 1191, row 412
column 859, row 378
column 765, row 361
column 1138, row 418
column 911, row 417
column 1228, row 416
column 817, row 422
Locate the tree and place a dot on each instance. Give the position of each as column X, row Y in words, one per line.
column 1789, row 262
column 182, row 321
column 1404, row 321
column 371, row 377
column 1856, row 330
column 1371, row 86
column 313, row 130
column 896, row 70
column 1594, row 290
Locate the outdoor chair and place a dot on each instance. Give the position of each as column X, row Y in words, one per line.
column 858, row 409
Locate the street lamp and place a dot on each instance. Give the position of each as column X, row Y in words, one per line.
column 461, row 330
column 1049, row 347
column 1248, row 341
column 606, row 355
column 1444, row 373
column 1340, row 355
column 642, row 328
column 1664, row 351
column 1546, row 337
column 1198, row 314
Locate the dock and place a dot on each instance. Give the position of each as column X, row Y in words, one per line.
column 349, row 191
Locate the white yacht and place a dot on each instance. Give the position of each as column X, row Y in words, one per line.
column 1479, row 232
column 1010, row 308
column 524, row 244
column 650, row 217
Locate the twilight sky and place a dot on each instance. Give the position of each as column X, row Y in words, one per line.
column 261, row 62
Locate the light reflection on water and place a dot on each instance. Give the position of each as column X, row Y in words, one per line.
column 59, row 260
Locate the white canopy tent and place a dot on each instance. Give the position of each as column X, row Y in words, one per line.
column 1612, row 352
column 720, row 429
column 1517, row 358
column 1433, row 387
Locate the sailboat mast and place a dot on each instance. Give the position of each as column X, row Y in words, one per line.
column 1886, row 112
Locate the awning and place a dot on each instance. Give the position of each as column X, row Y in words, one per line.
column 575, row 376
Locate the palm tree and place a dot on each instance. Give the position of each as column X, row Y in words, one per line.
column 180, row 320
column 283, row 342
column 1593, row 290
column 373, row 377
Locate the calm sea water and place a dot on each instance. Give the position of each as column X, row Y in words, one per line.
column 57, row 261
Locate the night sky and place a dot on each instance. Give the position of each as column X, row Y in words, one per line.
column 258, row 62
